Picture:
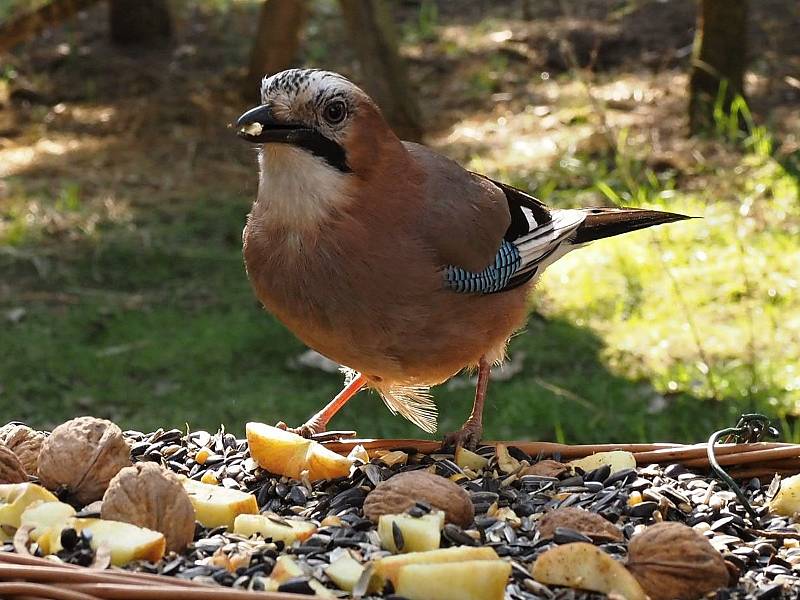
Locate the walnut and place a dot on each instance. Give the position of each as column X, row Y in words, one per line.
column 81, row 456
column 582, row 521
column 399, row 493
column 671, row 560
column 11, row 469
column 546, row 468
column 151, row 496
column 26, row 443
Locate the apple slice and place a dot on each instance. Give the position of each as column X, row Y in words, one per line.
column 787, row 501
column 586, row 567
column 272, row 526
column 44, row 516
column 326, row 464
column 16, row 497
column 618, row 460
column 470, row 460
column 404, row 533
column 320, row 591
column 215, row 505
column 470, row 580
column 344, row 570
column 388, row 567
column 286, row 568
column 278, row 451
column 285, row 453
column 125, row 542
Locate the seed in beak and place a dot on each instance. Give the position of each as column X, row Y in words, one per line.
column 254, row 128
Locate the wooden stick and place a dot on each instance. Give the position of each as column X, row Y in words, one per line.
column 699, row 451
column 119, row 576
column 108, row 591
column 763, row 471
column 532, row 448
column 54, row 574
column 690, row 455
column 767, row 468
column 743, row 458
column 92, row 584
column 38, row 590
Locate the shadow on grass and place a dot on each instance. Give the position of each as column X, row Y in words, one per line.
column 168, row 333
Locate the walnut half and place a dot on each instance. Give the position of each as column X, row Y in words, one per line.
column 11, row 470
column 26, row 443
column 402, row 491
column 81, row 456
column 153, row 497
column 671, row 560
column 580, row 520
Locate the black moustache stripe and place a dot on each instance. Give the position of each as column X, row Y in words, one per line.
column 320, row 146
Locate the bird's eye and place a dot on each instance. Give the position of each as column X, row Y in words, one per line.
column 335, row 112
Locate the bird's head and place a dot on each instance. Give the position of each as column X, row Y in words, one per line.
column 320, row 113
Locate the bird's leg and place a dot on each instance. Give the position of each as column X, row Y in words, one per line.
column 470, row 433
column 319, row 421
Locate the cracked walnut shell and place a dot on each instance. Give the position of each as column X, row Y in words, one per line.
column 26, row 443
column 81, row 456
column 153, row 497
column 399, row 493
column 671, row 560
column 11, row 470
column 588, row 523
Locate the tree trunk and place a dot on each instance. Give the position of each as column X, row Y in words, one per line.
column 280, row 24
column 139, row 21
column 383, row 70
column 20, row 28
column 718, row 59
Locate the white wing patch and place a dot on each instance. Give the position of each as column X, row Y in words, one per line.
column 545, row 243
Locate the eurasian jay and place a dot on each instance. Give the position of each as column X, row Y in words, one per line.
column 389, row 258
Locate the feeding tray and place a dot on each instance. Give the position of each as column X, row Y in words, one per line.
column 671, row 482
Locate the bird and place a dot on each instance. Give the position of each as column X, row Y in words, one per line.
column 388, row 257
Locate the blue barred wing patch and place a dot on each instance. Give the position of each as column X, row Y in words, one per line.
column 492, row 279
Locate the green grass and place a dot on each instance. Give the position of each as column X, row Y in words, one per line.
column 167, row 332
column 137, row 307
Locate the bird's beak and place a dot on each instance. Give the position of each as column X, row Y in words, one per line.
column 259, row 126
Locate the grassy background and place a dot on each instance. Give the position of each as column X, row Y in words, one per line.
column 123, row 293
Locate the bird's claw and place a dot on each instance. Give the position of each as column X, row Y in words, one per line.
column 468, row 436
column 306, row 430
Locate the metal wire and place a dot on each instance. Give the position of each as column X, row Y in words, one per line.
column 750, row 429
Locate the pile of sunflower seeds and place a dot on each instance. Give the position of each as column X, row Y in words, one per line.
column 764, row 557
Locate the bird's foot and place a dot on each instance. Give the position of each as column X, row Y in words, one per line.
column 468, row 436
column 307, row 430
column 316, row 432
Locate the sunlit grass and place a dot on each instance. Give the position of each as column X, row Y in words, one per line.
column 661, row 334
column 125, row 258
column 708, row 307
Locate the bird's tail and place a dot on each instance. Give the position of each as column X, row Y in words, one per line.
column 601, row 223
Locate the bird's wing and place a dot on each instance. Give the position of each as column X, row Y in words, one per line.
column 536, row 238
column 489, row 237
column 465, row 216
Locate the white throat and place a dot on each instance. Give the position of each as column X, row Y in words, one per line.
column 297, row 189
